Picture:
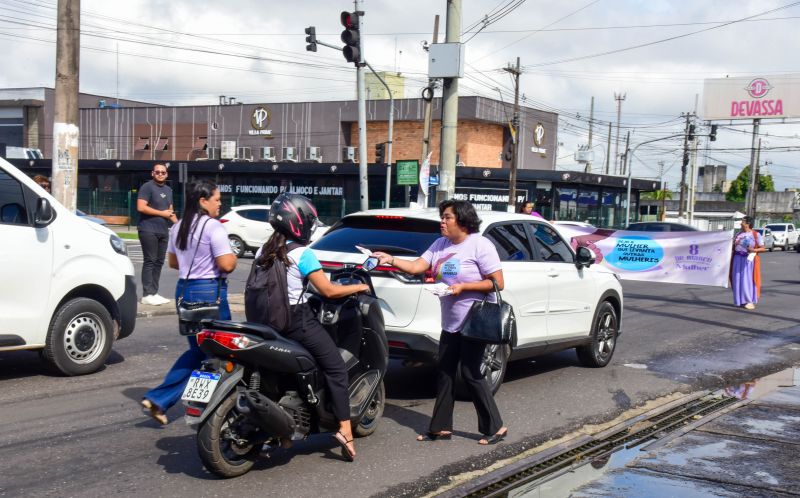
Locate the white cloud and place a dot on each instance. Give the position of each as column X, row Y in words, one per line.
column 660, row 80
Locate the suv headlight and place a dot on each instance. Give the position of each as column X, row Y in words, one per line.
column 118, row 245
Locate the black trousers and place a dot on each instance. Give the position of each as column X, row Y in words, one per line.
column 306, row 329
column 154, row 249
column 452, row 350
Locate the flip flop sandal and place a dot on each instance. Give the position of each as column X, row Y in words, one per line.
column 347, row 453
column 494, row 439
column 433, row 436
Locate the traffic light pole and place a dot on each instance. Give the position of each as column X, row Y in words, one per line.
column 363, row 181
column 391, row 131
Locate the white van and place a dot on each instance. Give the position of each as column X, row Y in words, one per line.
column 67, row 286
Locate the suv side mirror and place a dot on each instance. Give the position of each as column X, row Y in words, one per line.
column 45, row 214
column 584, row 258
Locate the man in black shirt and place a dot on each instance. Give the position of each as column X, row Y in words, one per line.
column 156, row 215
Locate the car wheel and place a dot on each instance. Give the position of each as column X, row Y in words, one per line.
column 237, row 245
column 80, row 337
column 493, row 367
column 603, row 340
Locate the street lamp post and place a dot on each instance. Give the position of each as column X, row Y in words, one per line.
column 630, row 167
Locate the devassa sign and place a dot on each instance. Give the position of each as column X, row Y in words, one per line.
column 752, row 97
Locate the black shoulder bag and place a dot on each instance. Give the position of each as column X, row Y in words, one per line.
column 490, row 323
column 190, row 313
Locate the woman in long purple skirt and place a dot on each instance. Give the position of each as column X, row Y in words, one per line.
column 745, row 275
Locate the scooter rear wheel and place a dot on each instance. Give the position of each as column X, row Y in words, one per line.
column 369, row 422
column 217, row 442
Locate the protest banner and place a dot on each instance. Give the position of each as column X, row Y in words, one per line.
column 699, row 258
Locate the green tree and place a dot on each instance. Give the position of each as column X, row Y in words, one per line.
column 739, row 187
column 663, row 195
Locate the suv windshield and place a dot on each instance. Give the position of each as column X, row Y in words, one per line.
column 392, row 234
column 777, row 228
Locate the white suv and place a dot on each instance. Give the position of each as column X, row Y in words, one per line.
column 560, row 300
column 248, row 227
column 785, row 235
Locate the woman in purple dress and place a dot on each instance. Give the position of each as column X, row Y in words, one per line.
column 746, row 246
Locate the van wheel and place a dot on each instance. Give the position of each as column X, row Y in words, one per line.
column 237, row 245
column 603, row 340
column 80, row 337
column 493, row 367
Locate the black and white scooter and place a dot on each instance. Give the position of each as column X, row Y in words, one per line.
column 257, row 386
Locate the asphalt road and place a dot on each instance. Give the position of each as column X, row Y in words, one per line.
column 87, row 437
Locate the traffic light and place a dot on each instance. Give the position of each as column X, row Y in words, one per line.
column 351, row 37
column 691, row 132
column 713, row 135
column 311, row 39
column 380, row 153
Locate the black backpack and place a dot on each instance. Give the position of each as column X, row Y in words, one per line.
column 266, row 298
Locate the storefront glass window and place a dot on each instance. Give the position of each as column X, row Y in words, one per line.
column 587, row 206
column 566, row 203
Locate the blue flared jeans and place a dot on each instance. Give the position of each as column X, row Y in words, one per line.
column 170, row 391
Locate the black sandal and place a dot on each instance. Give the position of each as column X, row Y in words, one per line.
column 494, row 439
column 433, row 436
column 347, row 453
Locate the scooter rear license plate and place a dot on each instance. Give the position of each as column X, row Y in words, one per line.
column 200, row 387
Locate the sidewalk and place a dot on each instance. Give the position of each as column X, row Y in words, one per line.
column 739, row 441
column 148, row 311
column 750, row 449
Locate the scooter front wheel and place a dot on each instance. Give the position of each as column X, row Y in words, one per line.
column 223, row 450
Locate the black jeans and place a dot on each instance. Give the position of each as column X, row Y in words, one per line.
column 452, row 350
column 306, row 329
column 154, row 249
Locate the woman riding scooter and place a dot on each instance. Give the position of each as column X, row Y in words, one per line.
column 294, row 219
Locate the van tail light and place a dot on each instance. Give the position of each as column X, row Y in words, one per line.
column 429, row 276
column 228, row 340
column 223, row 220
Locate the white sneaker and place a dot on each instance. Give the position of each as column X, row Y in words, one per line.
column 151, row 300
column 160, row 299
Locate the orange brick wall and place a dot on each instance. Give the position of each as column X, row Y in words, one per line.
column 478, row 143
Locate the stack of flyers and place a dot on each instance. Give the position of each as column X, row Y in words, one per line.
column 440, row 289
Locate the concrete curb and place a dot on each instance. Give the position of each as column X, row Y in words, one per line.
column 236, row 302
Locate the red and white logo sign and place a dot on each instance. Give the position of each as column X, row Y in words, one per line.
column 758, row 88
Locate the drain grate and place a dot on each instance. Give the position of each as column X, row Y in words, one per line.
column 634, row 435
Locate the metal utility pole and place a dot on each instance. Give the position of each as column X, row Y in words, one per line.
column 693, row 181
column 753, row 181
column 625, row 154
column 619, row 98
column 684, row 163
column 428, row 120
column 608, row 151
column 515, row 122
column 447, row 161
column 66, row 135
column 756, row 183
column 663, row 213
column 363, row 182
column 588, row 168
column 391, row 132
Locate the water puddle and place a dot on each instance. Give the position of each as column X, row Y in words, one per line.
column 595, row 476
